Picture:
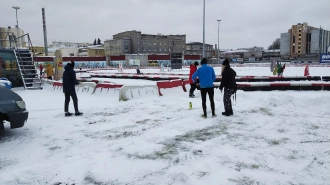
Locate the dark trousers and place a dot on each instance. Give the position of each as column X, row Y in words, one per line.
column 40, row 72
column 226, row 99
column 192, row 88
column 210, row 92
column 50, row 78
column 67, row 101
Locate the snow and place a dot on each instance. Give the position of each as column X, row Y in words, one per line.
column 275, row 137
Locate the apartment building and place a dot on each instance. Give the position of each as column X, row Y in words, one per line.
column 145, row 43
column 196, row 48
column 117, row 47
column 302, row 40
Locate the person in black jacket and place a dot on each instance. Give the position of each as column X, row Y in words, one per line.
column 228, row 82
column 69, row 82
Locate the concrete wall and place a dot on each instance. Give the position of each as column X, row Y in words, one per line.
column 142, row 57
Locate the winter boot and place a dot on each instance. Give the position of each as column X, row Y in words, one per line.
column 226, row 113
column 191, row 96
column 204, row 116
column 78, row 113
column 231, row 112
column 68, row 114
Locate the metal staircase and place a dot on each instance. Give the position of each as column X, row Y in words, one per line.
column 28, row 70
column 30, row 77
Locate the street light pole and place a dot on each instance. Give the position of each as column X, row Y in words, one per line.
column 218, row 40
column 204, row 29
column 16, row 8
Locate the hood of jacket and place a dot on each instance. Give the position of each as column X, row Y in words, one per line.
column 68, row 68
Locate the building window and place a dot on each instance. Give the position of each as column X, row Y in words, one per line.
column 144, row 42
column 149, row 48
column 293, row 49
column 165, row 42
column 138, row 42
column 160, row 49
column 169, row 49
column 294, row 38
column 160, row 43
column 138, row 49
column 149, row 42
column 164, row 49
column 144, row 48
column 155, row 49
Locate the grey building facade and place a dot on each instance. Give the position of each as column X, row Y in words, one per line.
column 147, row 43
column 118, row 47
column 196, row 48
column 285, row 44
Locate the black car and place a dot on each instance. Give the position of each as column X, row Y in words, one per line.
column 12, row 109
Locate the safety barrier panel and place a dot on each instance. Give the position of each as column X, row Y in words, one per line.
column 325, row 78
column 296, row 86
column 57, row 85
column 169, row 84
column 107, row 86
column 86, row 86
column 123, row 96
column 218, row 78
column 93, row 80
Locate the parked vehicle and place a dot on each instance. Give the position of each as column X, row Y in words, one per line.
column 12, row 109
column 5, row 82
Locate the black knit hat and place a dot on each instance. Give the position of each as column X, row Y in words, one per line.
column 225, row 62
column 196, row 63
column 204, row 61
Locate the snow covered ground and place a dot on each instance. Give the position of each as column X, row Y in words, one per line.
column 277, row 137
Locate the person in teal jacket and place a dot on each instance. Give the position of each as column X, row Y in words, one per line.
column 206, row 77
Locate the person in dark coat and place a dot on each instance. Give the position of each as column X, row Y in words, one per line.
column 206, row 77
column 228, row 82
column 193, row 69
column 69, row 82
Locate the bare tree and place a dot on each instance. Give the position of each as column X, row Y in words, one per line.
column 275, row 45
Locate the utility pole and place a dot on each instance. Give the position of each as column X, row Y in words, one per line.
column 204, row 29
column 16, row 8
column 218, row 40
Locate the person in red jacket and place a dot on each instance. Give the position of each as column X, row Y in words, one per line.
column 41, row 69
column 193, row 68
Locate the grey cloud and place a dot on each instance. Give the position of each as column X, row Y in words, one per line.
column 245, row 23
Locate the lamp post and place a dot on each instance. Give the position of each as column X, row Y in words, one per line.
column 218, row 40
column 16, row 8
column 204, row 29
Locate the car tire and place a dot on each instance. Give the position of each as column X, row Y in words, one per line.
column 2, row 129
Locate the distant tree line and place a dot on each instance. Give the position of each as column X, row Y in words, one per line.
column 98, row 42
column 275, row 45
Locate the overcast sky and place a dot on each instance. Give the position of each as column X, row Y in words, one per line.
column 244, row 23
